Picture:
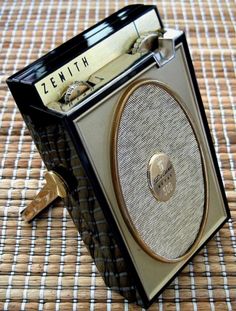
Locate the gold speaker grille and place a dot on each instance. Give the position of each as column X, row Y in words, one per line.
column 149, row 120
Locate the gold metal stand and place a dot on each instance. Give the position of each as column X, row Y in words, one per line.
column 55, row 187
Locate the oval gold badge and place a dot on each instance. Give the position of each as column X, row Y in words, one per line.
column 161, row 177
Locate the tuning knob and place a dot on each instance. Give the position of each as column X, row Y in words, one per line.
column 145, row 43
column 74, row 90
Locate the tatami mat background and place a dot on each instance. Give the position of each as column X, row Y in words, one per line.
column 44, row 265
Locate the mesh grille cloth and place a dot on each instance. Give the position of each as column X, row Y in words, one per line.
column 153, row 121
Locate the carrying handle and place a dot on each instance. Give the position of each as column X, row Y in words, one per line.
column 55, row 187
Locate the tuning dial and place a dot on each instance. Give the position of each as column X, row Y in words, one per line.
column 147, row 42
column 74, row 90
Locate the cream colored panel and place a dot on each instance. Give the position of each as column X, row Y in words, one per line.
column 94, row 127
column 82, row 66
column 148, row 22
column 90, row 61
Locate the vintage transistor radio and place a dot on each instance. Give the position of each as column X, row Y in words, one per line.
column 117, row 117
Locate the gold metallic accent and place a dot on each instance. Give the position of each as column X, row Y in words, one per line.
column 55, row 187
column 161, row 177
column 115, row 174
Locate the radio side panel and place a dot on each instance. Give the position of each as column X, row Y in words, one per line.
column 53, row 141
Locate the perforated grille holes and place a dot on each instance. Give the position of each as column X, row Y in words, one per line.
column 153, row 121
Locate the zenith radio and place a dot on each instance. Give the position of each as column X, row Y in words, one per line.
column 117, row 117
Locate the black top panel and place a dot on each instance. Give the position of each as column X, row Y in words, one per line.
column 80, row 43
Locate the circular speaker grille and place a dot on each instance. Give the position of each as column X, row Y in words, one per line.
column 149, row 120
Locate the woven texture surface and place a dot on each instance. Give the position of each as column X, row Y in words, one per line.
column 45, row 266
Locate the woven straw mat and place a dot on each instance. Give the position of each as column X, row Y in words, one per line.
column 44, row 265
